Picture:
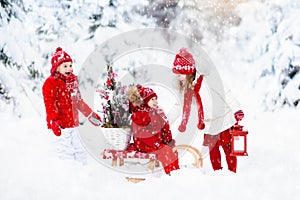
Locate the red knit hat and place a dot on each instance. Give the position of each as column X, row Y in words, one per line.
column 58, row 58
column 146, row 93
column 184, row 62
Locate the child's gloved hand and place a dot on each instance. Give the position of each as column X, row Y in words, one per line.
column 239, row 115
column 56, row 128
column 95, row 119
column 172, row 143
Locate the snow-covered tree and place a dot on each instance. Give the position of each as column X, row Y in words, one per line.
column 195, row 19
column 273, row 51
column 31, row 31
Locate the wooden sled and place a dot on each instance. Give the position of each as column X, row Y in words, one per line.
column 120, row 155
column 198, row 159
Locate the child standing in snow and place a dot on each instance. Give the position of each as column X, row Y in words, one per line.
column 219, row 118
column 150, row 127
column 63, row 101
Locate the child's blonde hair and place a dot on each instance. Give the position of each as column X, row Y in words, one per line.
column 188, row 82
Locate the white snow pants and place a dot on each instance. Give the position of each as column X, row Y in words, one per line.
column 69, row 146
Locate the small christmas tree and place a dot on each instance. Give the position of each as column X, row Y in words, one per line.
column 115, row 104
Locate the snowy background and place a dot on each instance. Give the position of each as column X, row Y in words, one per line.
column 254, row 44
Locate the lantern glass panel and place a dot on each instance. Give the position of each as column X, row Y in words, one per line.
column 239, row 143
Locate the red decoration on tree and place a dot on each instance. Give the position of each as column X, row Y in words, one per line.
column 108, row 82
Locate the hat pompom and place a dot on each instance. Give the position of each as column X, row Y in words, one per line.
column 183, row 52
column 58, row 49
column 134, row 95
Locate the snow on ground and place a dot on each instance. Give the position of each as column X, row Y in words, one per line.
column 30, row 168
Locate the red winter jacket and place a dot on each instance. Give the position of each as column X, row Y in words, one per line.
column 151, row 133
column 62, row 100
column 150, row 129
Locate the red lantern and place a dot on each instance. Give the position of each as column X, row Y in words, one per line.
column 238, row 141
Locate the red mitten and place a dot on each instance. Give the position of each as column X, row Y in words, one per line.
column 182, row 128
column 239, row 115
column 56, row 128
column 172, row 143
column 95, row 119
column 201, row 125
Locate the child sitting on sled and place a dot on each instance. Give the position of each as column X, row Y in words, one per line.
column 150, row 127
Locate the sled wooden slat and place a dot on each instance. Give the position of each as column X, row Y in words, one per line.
column 120, row 155
column 198, row 159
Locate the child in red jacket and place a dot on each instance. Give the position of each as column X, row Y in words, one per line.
column 150, row 127
column 63, row 101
